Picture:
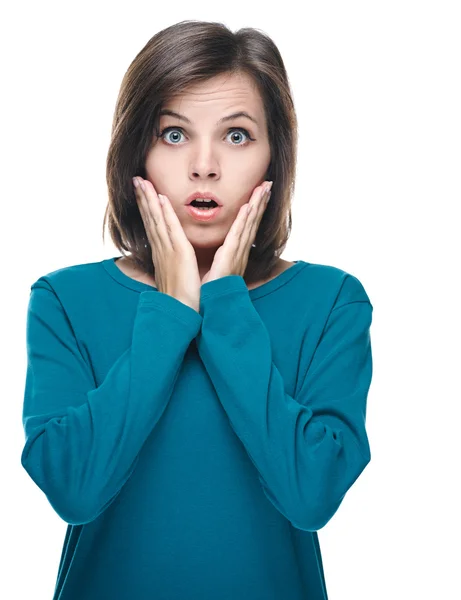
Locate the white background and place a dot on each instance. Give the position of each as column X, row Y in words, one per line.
column 377, row 92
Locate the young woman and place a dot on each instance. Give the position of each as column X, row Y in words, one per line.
column 195, row 409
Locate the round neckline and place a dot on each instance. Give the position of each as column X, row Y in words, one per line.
column 266, row 288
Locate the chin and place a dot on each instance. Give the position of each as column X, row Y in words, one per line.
column 206, row 245
column 206, row 236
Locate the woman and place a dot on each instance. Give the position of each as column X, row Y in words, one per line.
column 195, row 410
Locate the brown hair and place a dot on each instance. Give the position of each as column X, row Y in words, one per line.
column 184, row 54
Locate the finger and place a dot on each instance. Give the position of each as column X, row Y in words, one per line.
column 156, row 220
column 239, row 233
column 141, row 201
column 177, row 239
column 243, row 222
column 258, row 207
column 173, row 225
column 238, row 227
column 258, row 193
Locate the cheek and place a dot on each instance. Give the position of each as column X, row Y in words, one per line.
column 158, row 174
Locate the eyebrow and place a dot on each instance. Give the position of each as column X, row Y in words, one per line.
column 241, row 113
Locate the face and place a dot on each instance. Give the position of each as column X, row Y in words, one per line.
column 228, row 159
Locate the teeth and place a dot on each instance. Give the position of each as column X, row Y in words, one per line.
column 202, row 200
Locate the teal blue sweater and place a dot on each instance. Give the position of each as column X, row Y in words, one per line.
column 194, row 455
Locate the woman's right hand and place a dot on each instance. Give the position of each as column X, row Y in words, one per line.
column 175, row 262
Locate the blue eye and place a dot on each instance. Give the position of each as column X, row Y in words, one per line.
column 233, row 129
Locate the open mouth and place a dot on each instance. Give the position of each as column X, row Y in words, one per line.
column 203, row 205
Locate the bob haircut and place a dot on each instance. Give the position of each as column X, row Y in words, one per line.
column 184, row 54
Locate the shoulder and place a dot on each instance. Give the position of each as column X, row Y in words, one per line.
column 336, row 286
column 71, row 278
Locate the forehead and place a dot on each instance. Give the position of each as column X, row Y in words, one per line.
column 223, row 93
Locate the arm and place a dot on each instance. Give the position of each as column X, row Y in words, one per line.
column 308, row 449
column 82, row 442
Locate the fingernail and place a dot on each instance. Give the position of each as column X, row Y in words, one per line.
column 269, row 185
column 135, row 182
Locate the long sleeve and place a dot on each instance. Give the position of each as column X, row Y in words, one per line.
column 82, row 441
column 309, row 449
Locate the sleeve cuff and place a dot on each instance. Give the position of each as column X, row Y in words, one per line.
column 174, row 307
column 222, row 285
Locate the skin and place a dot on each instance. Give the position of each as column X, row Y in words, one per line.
column 209, row 157
column 206, row 156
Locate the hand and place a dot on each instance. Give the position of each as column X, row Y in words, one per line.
column 176, row 268
column 232, row 257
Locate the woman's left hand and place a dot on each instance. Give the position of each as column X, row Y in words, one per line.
column 232, row 257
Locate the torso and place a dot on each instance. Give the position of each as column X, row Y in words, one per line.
column 125, row 265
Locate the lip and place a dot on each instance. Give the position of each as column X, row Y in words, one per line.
column 203, row 215
column 203, row 195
